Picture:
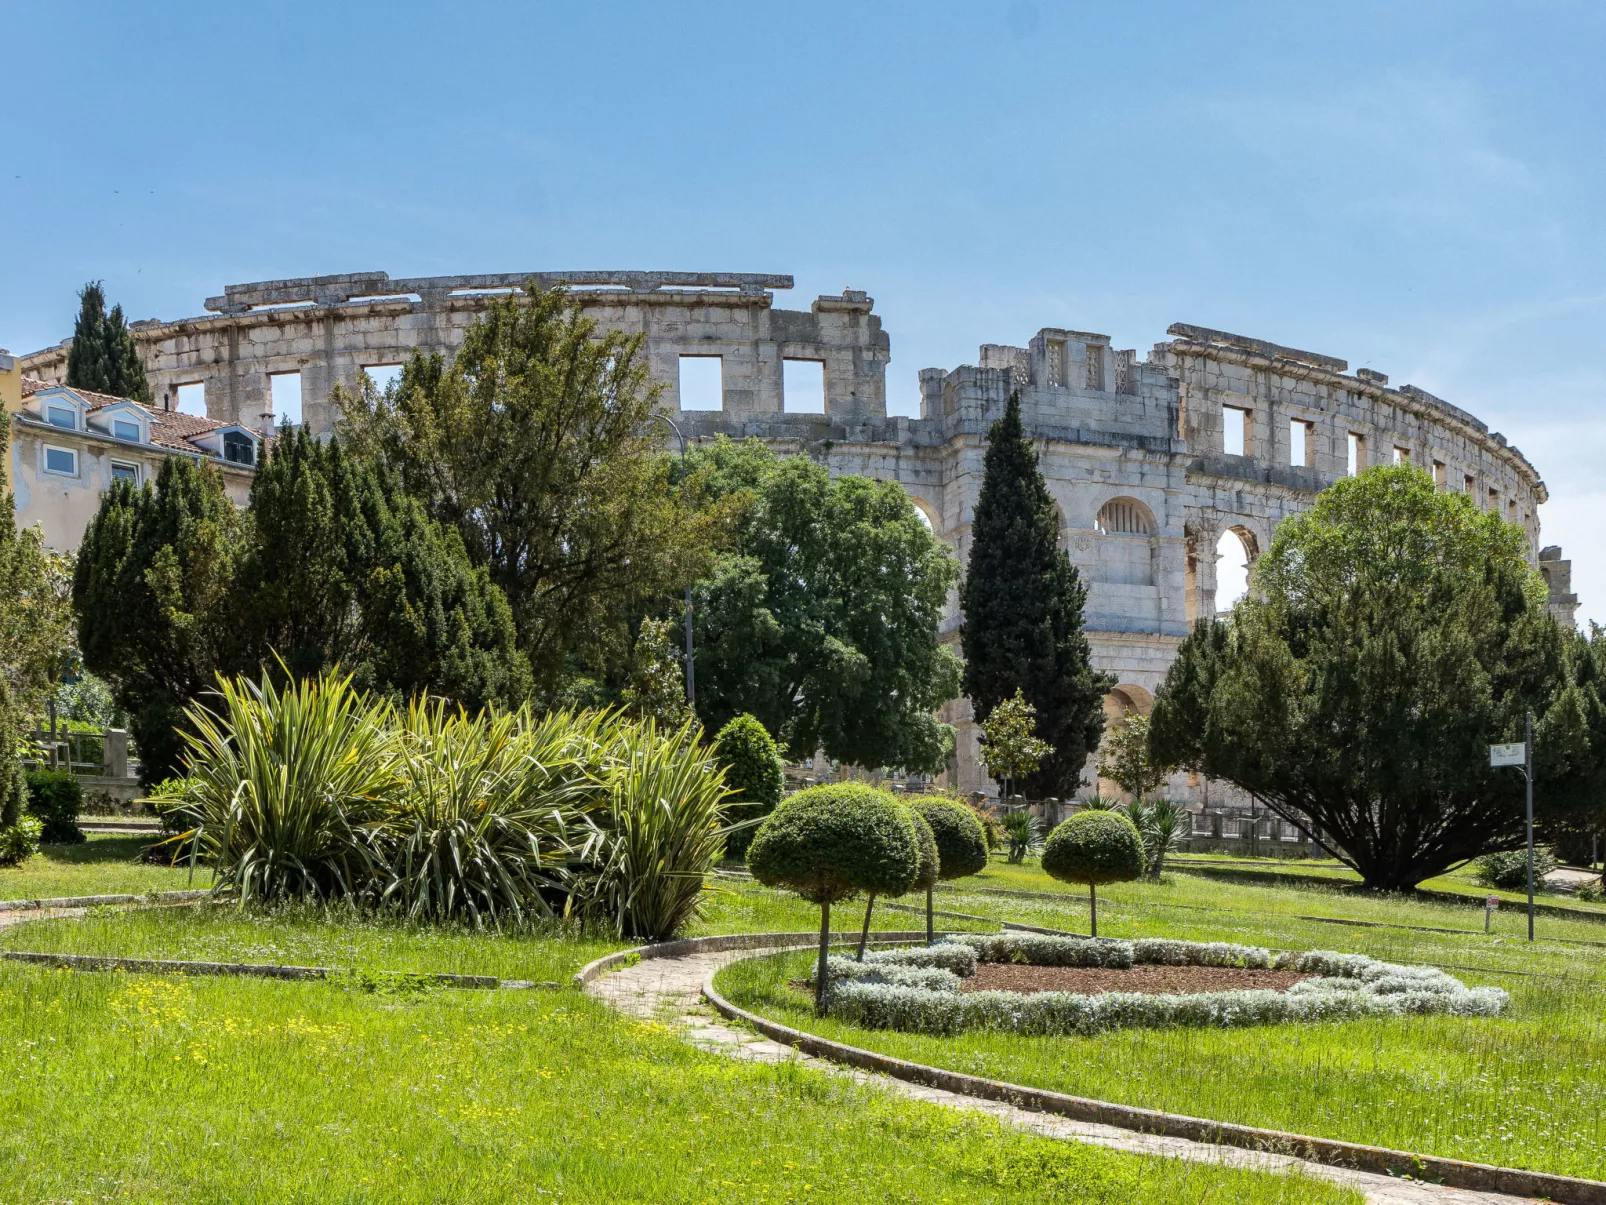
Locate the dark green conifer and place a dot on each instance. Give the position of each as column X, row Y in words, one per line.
column 1022, row 601
column 103, row 357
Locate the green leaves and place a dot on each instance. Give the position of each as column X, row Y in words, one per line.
column 103, row 357
column 1398, row 631
column 1094, row 847
column 829, row 843
column 824, row 625
column 1022, row 599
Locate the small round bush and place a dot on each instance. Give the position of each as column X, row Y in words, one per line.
column 753, row 769
column 961, row 841
column 930, row 859
column 55, row 796
column 1509, row 869
column 1094, row 847
column 831, row 842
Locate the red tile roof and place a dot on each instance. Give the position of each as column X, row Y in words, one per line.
column 169, row 428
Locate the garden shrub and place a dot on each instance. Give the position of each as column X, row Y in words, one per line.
column 1045, row 950
column 961, row 843
column 1508, row 870
column 932, row 978
column 55, row 797
column 1345, row 986
column 829, row 843
column 20, row 841
column 1094, row 846
column 754, row 772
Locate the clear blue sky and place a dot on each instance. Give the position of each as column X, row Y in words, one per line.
column 1415, row 187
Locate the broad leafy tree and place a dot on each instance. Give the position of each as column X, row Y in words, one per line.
column 824, row 621
column 345, row 569
column 152, row 589
column 1008, row 745
column 536, row 444
column 1022, row 600
column 1124, row 758
column 103, row 357
column 1395, row 632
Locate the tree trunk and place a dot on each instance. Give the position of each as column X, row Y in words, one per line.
column 822, row 983
column 1093, row 907
column 931, row 932
column 864, row 936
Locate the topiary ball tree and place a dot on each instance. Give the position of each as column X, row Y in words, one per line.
column 753, row 769
column 1094, row 847
column 831, row 842
column 927, row 875
column 961, row 843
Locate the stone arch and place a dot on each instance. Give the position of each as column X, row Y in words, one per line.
column 1237, row 550
column 1126, row 532
column 1127, row 699
column 928, row 514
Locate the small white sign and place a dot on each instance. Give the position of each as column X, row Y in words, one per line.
column 1492, row 904
column 1508, row 755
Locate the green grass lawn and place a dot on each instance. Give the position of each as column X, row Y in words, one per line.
column 138, row 1088
column 1522, row 1090
column 105, row 864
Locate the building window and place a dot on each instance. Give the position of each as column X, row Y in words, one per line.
column 1471, row 483
column 1356, row 453
column 1402, row 455
column 1235, row 429
column 126, row 429
column 62, row 416
column 61, row 460
column 1441, row 475
column 238, row 448
column 1122, row 517
column 125, row 472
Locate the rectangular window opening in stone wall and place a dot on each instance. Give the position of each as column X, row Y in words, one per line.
column 1402, row 455
column 1471, row 483
column 284, row 397
column 1441, row 475
column 1235, row 428
column 1494, row 501
column 803, row 386
column 702, row 383
column 190, row 398
column 1357, row 453
column 383, row 375
column 1300, row 435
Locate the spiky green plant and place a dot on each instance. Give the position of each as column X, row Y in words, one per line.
column 1023, row 832
column 282, row 783
column 661, row 830
column 485, row 805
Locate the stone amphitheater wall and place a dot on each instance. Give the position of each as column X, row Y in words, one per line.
column 1133, row 450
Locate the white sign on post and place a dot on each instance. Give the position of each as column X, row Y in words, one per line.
column 1508, row 755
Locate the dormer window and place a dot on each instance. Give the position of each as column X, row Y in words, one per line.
column 64, row 417
column 125, row 429
column 239, row 448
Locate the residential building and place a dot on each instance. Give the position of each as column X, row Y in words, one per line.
column 68, row 445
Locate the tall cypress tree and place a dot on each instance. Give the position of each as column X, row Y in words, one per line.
column 103, row 357
column 1022, row 601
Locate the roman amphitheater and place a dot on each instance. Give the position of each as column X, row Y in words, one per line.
column 1162, row 466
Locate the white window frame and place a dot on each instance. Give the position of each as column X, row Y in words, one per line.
column 45, row 461
column 139, row 433
column 62, row 408
column 125, row 464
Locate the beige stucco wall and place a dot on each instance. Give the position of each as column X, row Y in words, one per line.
column 62, row 506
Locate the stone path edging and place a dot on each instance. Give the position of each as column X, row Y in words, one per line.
column 256, row 970
column 97, row 901
column 674, row 975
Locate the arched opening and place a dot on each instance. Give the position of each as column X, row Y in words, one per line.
column 1125, row 555
column 1235, row 558
column 923, row 513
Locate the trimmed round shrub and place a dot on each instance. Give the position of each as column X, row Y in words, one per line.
column 930, row 857
column 753, row 769
column 1094, row 847
column 55, row 797
column 831, row 842
column 961, row 842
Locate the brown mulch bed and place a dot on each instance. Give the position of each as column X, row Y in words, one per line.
column 1153, row 980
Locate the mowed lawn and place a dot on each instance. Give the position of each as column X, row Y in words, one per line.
column 120, row 1087
column 105, row 864
column 1522, row 1090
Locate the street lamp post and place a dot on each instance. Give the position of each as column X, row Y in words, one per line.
column 691, row 666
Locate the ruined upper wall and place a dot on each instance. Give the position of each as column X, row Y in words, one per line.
column 331, row 328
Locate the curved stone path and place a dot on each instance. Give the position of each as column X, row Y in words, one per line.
column 669, row 990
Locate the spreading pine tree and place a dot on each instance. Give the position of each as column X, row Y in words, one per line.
column 1022, row 601
column 103, row 357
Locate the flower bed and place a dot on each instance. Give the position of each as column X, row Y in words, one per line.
column 918, row 991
